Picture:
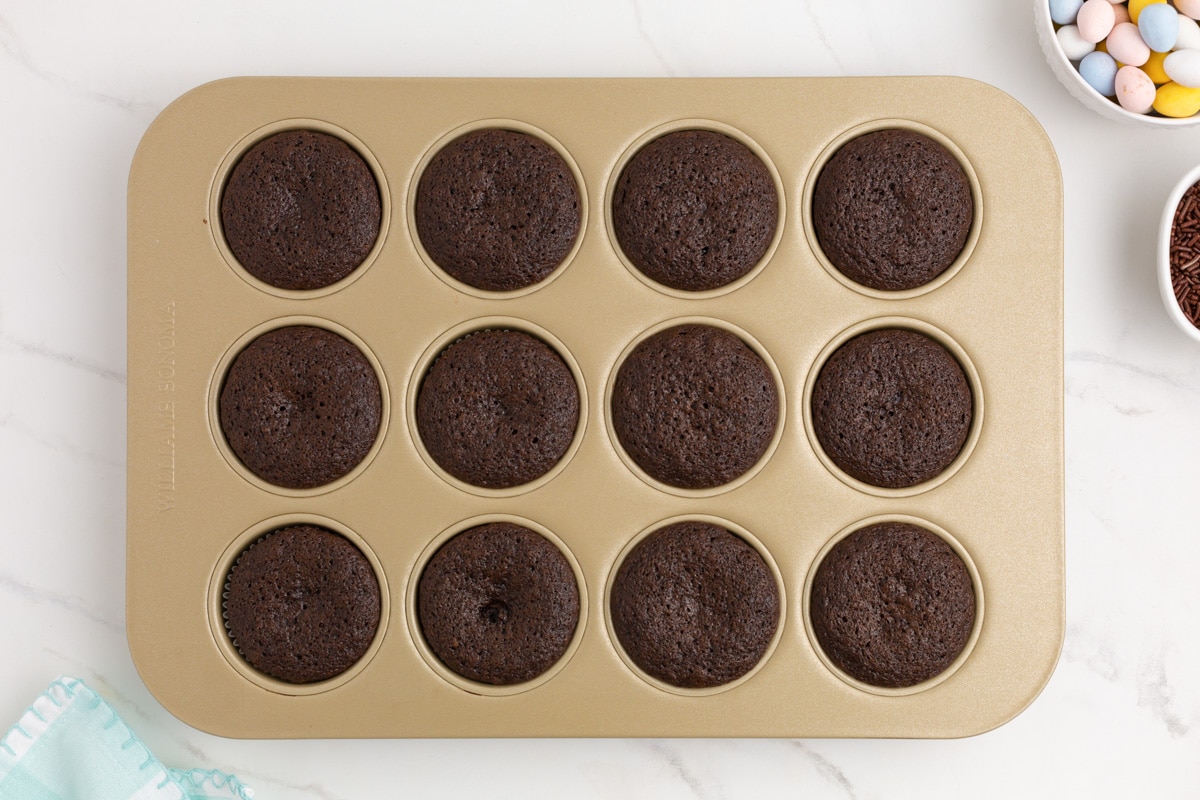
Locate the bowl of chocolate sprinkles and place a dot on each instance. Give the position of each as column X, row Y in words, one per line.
column 1179, row 255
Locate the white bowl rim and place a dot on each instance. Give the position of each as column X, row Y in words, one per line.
column 1165, row 287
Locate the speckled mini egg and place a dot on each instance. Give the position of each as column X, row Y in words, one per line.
column 1135, row 90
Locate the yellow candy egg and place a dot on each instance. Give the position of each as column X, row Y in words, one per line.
column 1154, row 68
column 1136, row 6
column 1173, row 100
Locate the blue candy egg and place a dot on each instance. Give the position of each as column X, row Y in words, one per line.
column 1064, row 12
column 1100, row 72
column 1159, row 26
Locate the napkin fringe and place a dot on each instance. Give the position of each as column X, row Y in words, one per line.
column 64, row 692
column 37, row 718
column 211, row 778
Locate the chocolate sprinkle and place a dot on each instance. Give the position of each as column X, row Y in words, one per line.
column 1185, row 254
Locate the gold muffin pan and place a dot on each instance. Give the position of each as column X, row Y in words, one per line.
column 192, row 507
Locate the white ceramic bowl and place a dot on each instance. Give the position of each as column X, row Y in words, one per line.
column 1069, row 76
column 1164, row 255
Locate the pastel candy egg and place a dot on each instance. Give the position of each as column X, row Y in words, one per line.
column 1154, row 68
column 1158, row 24
column 1121, row 14
column 1173, row 100
column 1064, row 11
column 1189, row 7
column 1100, row 72
column 1136, row 6
column 1072, row 44
column 1189, row 34
column 1183, row 67
column 1135, row 90
column 1096, row 19
column 1125, row 45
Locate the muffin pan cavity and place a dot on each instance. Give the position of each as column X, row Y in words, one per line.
column 893, row 605
column 319, row 583
column 899, row 206
column 506, row 611
column 582, row 372
column 299, row 208
column 299, row 406
column 695, row 406
column 899, row 410
column 695, row 605
column 695, row 208
column 498, row 208
column 505, row 412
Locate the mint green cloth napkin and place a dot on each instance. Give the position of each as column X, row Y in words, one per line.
column 71, row 745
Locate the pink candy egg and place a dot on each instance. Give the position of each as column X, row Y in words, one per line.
column 1121, row 13
column 1189, row 7
column 1125, row 45
column 1096, row 19
column 1135, row 90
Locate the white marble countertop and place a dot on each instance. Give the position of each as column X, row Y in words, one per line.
column 79, row 83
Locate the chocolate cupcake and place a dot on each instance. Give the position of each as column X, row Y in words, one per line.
column 301, row 210
column 498, row 604
column 498, row 210
column 498, row 409
column 694, row 406
column 695, row 210
column 694, row 606
column 302, row 604
column 892, row 408
column 892, row 209
column 301, row 406
column 892, row 605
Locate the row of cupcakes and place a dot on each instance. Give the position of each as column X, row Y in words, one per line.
column 693, row 210
column 692, row 406
column 693, row 604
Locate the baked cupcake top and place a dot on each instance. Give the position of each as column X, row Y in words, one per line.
column 892, row 408
column 498, row 604
column 498, row 210
column 892, row 209
column 301, row 210
column 695, row 210
column 892, row 605
column 694, row 606
column 694, row 406
column 498, row 408
column 302, row 604
column 301, row 406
